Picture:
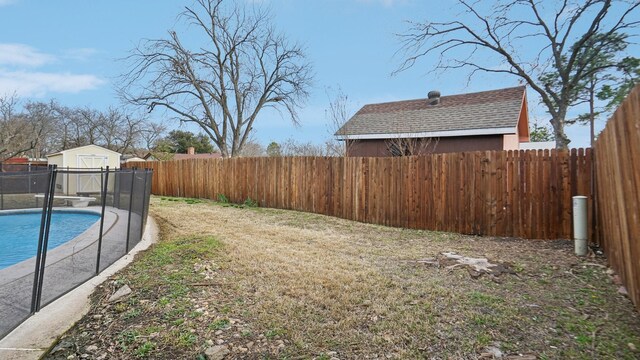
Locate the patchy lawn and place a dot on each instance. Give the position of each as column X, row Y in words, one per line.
column 272, row 284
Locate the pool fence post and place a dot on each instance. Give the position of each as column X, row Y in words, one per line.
column 41, row 235
column 116, row 189
column 105, row 184
column 2, row 190
column 133, row 179
column 45, row 243
column 144, row 203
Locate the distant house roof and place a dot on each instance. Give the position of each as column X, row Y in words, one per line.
column 480, row 113
column 196, row 156
column 170, row 156
column 133, row 159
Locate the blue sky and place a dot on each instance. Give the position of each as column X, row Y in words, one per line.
column 68, row 50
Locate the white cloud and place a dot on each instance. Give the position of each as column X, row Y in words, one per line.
column 23, row 55
column 38, row 84
column 80, row 54
column 17, row 74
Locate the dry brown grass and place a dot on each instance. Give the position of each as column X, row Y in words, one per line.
column 311, row 286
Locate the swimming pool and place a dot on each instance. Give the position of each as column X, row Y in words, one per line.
column 19, row 232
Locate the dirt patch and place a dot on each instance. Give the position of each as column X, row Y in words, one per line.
column 260, row 283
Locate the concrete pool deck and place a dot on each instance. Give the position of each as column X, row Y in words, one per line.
column 32, row 338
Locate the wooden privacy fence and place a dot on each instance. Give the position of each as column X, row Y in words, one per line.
column 502, row 193
column 618, row 192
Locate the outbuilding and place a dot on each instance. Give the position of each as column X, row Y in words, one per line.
column 83, row 159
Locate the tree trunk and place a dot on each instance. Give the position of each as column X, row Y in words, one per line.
column 557, row 122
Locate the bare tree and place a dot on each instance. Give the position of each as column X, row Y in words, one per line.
column 411, row 146
column 252, row 148
column 292, row 147
column 152, row 134
column 114, row 128
column 44, row 119
column 19, row 133
column 244, row 67
column 559, row 31
column 338, row 114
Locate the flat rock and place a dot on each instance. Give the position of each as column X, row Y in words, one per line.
column 216, row 352
column 122, row 292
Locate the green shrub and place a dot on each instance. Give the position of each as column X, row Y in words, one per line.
column 223, row 199
column 250, row 203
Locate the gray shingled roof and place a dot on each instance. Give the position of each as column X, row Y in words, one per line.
column 483, row 110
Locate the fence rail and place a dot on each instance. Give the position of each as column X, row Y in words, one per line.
column 502, row 193
column 618, row 192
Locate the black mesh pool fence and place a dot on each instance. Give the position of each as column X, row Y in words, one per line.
column 60, row 227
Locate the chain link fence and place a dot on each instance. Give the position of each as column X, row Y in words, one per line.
column 59, row 228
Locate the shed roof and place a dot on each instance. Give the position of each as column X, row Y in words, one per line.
column 480, row 113
column 95, row 147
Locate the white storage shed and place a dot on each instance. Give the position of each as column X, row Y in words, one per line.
column 83, row 158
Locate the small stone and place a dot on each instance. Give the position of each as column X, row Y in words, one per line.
column 216, row 352
column 122, row 292
column 242, row 349
column 91, row 348
column 622, row 290
column 97, row 316
column 62, row 346
column 616, row 280
column 219, row 341
column 250, row 344
column 632, row 347
column 219, row 332
column 210, row 342
column 71, row 357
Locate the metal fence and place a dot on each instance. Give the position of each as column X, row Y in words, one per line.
column 59, row 228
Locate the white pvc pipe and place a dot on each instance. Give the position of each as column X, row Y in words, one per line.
column 580, row 234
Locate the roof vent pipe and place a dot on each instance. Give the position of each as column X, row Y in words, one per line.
column 434, row 97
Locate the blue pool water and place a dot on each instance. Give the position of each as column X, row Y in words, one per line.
column 19, row 232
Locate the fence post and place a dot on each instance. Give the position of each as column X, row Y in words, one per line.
column 144, row 202
column 45, row 243
column 105, row 184
column 116, row 188
column 1, row 189
column 43, row 218
column 43, row 239
column 133, row 179
column 29, row 176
